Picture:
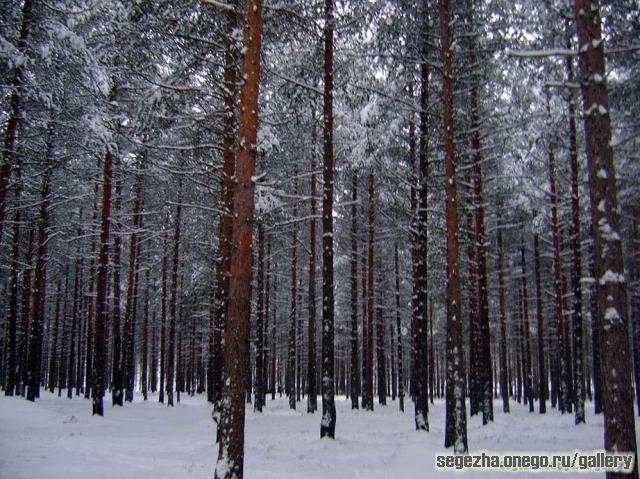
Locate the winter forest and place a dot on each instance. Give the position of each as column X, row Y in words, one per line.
column 316, row 238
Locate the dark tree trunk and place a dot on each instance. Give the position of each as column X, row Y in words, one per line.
column 75, row 320
column 328, row 424
column 128, row 353
column 236, row 335
column 474, row 385
column 173, row 304
column 312, row 392
column 53, row 349
column 370, row 294
column 10, row 378
column 38, row 296
column 400, row 358
column 456, row 416
column 98, row 375
column 526, row 362
column 619, row 424
column 355, row 367
column 484, row 337
column 259, row 382
column 15, row 102
column 421, row 373
column 576, row 267
column 274, row 348
column 414, row 181
column 635, row 303
column 543, row 392
column 267, row 325
column 380, row 355
column 163, row 315
column 62, row 367
column 596, row 334
column 85, row 364
column 366, row 398
column 225, row 226
column 144, row 374
column 116, row 340
column 293, row 313
column 563, row 394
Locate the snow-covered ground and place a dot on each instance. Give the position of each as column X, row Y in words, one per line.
column 58, row 438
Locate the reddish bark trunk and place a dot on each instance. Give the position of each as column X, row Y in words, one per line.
column 456, row 416
column 173, row 304
column 328, row 424
column 231, row 451
column 17, row 85
column 34, row 357
column 355, row 367
column 543, row 386
column 98, row 375
column 619, row 424
column 312, row 398
column 225, row 227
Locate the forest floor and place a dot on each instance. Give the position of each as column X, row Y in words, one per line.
column 58, row 438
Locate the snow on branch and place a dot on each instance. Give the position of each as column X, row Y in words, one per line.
column 222, row 5
column 554, row 52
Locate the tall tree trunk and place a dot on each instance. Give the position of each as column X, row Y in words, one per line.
column 163, row 314
column 542, row 374
column 53, row 347
column 328, row 424
column 98, row 375
column 15, row 102
column 355, row 367
column 25, row 311
column 474, row 383
column 380, row 353
column 414, row 182
column 75, row 316
column 312, row 392
column 267, row 325
column 62, row 368
column 10, row 378
column 528, row 379
column 225, row 226
column 619, row 427
column 259, row 382
column 144, row 374
column 116, row 339
column 484, row 336
column 563, row 396
column 40, row 280
column 400, row 358
column 173, row 304
column 456, row 415
column 85, row 364
column 421, row 374
column 370, row 292
column 366, row 398
column 635, row 302
column 293, row 313
column 431, row 352
column 274, row 346
column 576, row 267
column 128, row 366
column 236, row 335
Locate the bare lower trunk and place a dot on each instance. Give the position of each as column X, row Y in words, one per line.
column 328, row 424
column 619, row 427
column 236, row 335
column 456, row 416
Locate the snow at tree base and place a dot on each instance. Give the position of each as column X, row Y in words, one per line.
column 56, row 438
column 321, row 238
